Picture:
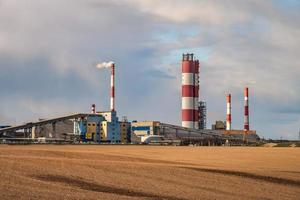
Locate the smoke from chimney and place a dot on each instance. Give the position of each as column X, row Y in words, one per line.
column 104, row 65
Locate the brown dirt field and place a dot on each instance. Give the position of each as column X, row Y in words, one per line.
column 148, row 172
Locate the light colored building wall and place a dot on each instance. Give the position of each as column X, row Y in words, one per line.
column 145, row 128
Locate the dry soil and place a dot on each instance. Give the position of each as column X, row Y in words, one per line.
column 148, row 172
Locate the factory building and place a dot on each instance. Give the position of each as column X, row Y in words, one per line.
column 156, row 132
column 100, row 127
column 218, row 125
column 110, row 132
column 145, row 128
column 58, row 130
column 140, row 131
column 125, row 131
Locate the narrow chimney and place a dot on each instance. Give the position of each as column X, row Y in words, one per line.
column 112, row 85
column 93, row 111
column 246, row 119
column 188, row 95
column 228, row 115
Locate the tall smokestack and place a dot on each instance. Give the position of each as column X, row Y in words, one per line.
column 228, row 114
column 190, row 90
column 93, row 111
column 196, row 95
column 110, row 65
column 112, row 85
column 246, row 119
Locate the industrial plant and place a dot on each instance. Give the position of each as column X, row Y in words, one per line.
column 105, row 127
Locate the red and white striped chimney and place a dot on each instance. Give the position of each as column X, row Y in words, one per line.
column 196, row 95
column 93, row 111
column 246, row 119
column 112, row 87
column 190, row 91
column 228, row 113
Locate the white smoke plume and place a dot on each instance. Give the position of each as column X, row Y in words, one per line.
column 104, row 65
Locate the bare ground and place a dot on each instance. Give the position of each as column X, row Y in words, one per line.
column 148, row 172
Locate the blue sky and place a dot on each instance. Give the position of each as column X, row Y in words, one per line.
column 48, row 52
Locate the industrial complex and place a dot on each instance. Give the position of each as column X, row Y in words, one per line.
column 105, row 127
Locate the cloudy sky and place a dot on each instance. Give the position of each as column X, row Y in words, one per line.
column 48, row 52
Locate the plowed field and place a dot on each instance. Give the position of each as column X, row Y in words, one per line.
column 148, row 172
